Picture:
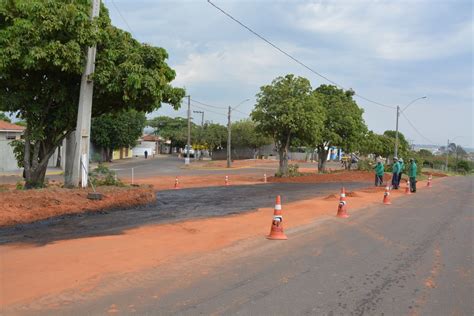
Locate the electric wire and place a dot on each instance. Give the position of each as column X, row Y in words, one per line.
column 417, row 131
column 123, row 18
column 294, row 58
column 211, row 106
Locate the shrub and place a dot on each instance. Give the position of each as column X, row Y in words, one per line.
column 464, row 166
column 293, row 171
column 104, row 176
column 365, row 165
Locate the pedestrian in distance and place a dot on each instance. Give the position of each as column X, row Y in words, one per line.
column 146, row 154
column 412, row 174
column 395, row 173
column 402, row 168
column 379, row 171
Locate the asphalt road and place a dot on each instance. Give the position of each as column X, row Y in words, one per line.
column 171, row 205
column 414, row 257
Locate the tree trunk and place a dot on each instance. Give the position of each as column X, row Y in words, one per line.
column 283, row 155
column 58, row 159
column 35, row 170
column 322, row 156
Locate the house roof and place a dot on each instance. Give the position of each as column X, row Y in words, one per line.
column 9, row 127
column 151, row 138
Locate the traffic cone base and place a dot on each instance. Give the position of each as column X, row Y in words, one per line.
column 386, row 197
column 342, row 208
column 276, row 231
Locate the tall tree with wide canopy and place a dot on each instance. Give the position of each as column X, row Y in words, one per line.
column 112, row 131
column 43, row 47
column 173, row 129
column 245, row 134
column 288, row 110
column 343, row 124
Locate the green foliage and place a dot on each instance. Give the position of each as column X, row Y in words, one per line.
column 464, row 166
column 365, row 165
column 343, row 125
column 174, row 129
column 244, row 134
column 43, row 48
column 118, row 130
column 18, row 151
column 425, row 153
column 287, row 110
column 4, row 117
column 104, row 176
column 212, row 136
column 379, row 145
column 19, row 185
column 403, row 145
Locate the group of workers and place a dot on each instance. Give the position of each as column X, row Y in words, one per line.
column 398, row 168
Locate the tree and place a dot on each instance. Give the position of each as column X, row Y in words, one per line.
column 213, row 136
column 244, row 134
column 424, row 153
column 174, row 129
column 343, row 125
column 379, row 145
column 4, row 117
column 288, row 110
column 117, row 130
column 403, row 145
column 43, row 48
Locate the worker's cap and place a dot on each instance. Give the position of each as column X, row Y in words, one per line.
column 401, row 159
column 411, row 159
column 395, row 158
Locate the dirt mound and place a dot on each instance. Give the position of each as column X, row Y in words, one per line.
column 352, row 194
column 26, row 206
column 340, row 176
column 434, row 174
column 330, row 197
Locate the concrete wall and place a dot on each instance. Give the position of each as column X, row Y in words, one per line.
column 7, row 159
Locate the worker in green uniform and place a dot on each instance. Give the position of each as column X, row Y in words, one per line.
column 402, row 169
column 395, row 173
column 379, row 171
column 412, row 174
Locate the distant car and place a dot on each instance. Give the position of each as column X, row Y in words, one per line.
column 191, row 151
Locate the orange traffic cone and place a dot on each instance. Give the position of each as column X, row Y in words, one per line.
column 176, row 183
column 226, row 180
column 264, row 178
column 276, row 231
column 429, row 181
column 386, row 196
column 342, row 210
column 407, row 189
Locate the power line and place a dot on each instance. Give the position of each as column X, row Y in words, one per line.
column 211, row 106
column 215, row 112
column 294, row 58
column 123, row 18
column 416, row 130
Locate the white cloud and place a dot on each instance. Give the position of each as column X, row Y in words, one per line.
column 388, row 30
column 252, row 62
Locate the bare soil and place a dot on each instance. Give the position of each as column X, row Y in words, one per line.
column 25, row 206
column 336, row 176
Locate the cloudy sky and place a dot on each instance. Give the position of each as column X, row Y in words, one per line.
column 388, row 51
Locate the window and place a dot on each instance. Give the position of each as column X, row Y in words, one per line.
column 10, row 137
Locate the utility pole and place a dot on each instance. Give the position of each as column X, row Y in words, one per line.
column 202, row 116
column 447, row 155
column 188, row 149
column 228, row 138
column 396, row 132
column 80, row 164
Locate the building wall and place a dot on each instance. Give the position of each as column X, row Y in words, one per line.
column 7, row 159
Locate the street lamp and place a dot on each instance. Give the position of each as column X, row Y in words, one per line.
column 229, row 132
column 398, row 115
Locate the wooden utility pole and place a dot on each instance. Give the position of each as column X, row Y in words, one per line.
column 188, row 149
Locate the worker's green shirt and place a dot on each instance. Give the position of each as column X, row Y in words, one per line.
column 379, row 169
column 412, row 170
column 396, row 168
column 402, row 166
